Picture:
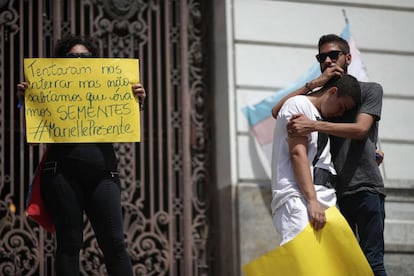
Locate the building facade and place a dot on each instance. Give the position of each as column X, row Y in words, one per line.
column 196, row 197
column 269, row 45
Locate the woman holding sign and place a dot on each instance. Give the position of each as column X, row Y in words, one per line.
column 78, row 178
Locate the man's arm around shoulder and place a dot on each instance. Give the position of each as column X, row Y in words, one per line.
column 301, row 125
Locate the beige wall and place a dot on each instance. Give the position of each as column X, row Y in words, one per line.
column 275, row 42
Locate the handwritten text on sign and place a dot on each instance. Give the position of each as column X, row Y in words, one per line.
column 81, row 100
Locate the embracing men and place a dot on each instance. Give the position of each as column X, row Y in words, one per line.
column 353, row 139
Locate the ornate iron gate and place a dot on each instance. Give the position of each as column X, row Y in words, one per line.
column 166, row 178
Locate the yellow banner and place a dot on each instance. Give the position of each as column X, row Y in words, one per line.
column 76, row 100
column 333, row 250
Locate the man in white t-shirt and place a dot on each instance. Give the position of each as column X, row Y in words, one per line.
column 302, row 169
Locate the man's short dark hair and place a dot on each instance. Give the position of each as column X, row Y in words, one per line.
column 347, row 86
column 333, row 38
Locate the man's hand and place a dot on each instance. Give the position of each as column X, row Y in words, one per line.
column 379, row 156
column 317, row 216
column 300, row 125
column 328, row 73
column 332, row 71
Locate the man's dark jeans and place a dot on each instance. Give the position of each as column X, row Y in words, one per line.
column 365, row 213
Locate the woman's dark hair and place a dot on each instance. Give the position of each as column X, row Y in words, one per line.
column 64, row 45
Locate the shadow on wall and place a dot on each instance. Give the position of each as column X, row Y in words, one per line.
column 260, row 175
column 257, row 235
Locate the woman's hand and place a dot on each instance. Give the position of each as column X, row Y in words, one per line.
column 21, row 88
column 139, row 91
column 300, row 125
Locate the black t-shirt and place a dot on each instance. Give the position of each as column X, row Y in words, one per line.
column 97, row 155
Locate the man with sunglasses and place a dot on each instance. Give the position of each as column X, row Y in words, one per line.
column 353, row 136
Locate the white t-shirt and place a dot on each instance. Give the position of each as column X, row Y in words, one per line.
column 284, row 184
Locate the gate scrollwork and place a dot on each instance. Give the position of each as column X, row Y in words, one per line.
column 155, row 192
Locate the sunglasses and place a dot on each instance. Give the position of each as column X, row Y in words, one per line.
column 78, row 55
column 333, row 55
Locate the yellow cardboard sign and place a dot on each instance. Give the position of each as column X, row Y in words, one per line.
column 333, row 250
column 76, row 100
